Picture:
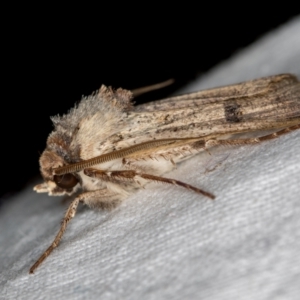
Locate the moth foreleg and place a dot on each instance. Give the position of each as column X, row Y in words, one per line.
column 71, row 211
column 104, row 199
column 127, row 175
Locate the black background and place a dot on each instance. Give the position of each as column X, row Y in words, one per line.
column 51, row 59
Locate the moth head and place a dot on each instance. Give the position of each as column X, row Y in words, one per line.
column 55, row 184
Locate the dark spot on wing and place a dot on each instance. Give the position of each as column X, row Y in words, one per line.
column 233, row 113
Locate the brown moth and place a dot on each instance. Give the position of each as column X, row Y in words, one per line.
column 105, row 148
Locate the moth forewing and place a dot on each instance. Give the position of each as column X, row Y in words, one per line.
column 108, row 148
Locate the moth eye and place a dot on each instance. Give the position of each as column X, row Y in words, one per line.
column 65, row 181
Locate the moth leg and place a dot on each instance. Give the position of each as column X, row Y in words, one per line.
column 252, row 140
column 132, row 175
column 70, row 213
column 99, row 198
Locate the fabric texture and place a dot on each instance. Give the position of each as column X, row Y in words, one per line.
column 165, row 242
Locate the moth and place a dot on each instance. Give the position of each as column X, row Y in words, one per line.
column 106, row 148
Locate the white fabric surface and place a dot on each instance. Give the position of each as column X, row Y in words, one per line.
column 168, row 243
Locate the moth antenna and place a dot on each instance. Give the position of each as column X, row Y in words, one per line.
column 153, row 87
column 76, row 167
